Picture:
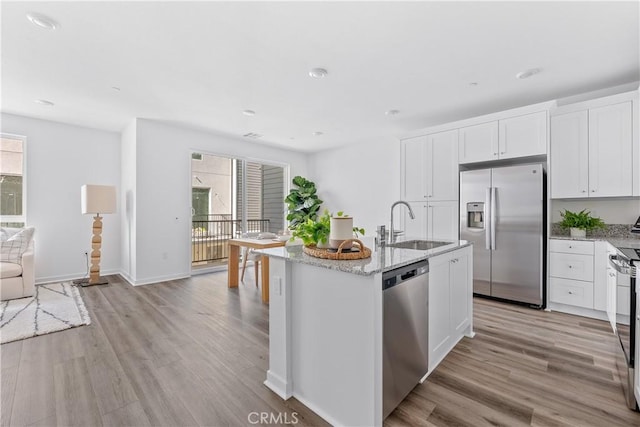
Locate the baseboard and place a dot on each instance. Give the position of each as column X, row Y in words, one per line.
column 578, row 311
column 69, row 277
column 157, row 279
column 278, row 385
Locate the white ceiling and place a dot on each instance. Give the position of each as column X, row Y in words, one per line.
column 202, row 63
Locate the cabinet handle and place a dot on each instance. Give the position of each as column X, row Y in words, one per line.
column 570, row 266
column 584, row 191
column 570, row 293
column 502, row 152
column 593, row 191
column 570, row 247
column 495, row 154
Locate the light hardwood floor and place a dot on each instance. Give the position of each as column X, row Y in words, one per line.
column 192, row 352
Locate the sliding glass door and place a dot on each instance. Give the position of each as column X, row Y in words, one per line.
column 232, row 197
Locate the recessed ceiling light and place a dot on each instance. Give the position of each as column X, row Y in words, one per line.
column 318, row 133
column 44, row 102
column 252, row 135
column 42, row 21
column 318, row 73
column 528, row 73
column 249, row 113
column 392, row 112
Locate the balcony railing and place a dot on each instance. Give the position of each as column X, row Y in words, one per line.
column 210, row 234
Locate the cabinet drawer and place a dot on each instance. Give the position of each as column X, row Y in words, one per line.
column 571, row 292
column 571, row 246
column 570, row 266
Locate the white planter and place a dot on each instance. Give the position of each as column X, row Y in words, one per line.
column 341, row 230
column 578, row 232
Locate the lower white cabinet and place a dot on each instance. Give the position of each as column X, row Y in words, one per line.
column 450, row 302
column 571, row 272
column 433, row 221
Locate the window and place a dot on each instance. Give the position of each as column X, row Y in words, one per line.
column 12, row 185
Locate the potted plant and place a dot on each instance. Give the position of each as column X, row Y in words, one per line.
column 580, row 222
column 303, row 202
column 316, row 233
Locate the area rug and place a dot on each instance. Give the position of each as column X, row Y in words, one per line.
column 54, row 307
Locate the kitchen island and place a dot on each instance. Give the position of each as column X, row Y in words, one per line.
column 326, row 325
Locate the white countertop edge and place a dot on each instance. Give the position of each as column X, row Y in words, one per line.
column 399, row 257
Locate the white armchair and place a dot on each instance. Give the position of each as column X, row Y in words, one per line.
column 18, row 281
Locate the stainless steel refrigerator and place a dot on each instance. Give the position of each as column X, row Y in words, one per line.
column 502, row 212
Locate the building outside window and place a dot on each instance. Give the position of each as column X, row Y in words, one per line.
column 12, row 182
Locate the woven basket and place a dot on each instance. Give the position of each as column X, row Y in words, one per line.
column 325, row 254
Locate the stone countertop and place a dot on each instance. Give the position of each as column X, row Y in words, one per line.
column 619, row 235
column 380, row 260
column 618, row 242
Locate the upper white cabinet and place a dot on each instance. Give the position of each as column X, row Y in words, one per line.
column 414, row 171
column 478, row 143
column 570, row 155
column 610, row 151
column 507, row 138
column 592, row 152
column 523, row 136
column 430, row 167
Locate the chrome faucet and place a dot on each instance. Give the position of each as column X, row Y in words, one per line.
column 392, row 237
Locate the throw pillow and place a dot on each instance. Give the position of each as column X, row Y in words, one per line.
column 7, row 232
column 12, row 249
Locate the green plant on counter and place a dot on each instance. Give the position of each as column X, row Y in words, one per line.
column 314, row 232
column 582, row 219
column 317, row 232
column 303, row 202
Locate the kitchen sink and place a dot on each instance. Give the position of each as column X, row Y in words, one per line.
column 420, row 245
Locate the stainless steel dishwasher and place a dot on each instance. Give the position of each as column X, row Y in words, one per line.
column 405, row 352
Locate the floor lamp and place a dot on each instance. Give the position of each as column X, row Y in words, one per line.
column 97, row 199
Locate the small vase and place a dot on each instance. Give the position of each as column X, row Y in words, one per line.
column 341, row 230
column 578, row 232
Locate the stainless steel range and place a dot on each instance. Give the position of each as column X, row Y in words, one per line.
column 625, row 318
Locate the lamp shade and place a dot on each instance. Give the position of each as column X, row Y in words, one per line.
column 98, row 199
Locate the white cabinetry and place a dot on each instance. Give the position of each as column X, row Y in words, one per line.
column 523, row 136
column 430, row 167
column 592, row 152
column 433, row 220
column 507, row 138
column 571, row 272
column 450, row 302
column 478, row 143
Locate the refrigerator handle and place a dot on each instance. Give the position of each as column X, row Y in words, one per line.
column 493, row 218
column 487, row 215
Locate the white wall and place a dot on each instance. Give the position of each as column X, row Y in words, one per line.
column 613, row 211
column 60, row 159
column 128, row 200
column 163, row 192
column 362, row 180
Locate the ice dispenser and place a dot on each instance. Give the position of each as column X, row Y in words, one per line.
column 475, row 215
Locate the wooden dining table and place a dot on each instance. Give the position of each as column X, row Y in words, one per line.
column 234, row 261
